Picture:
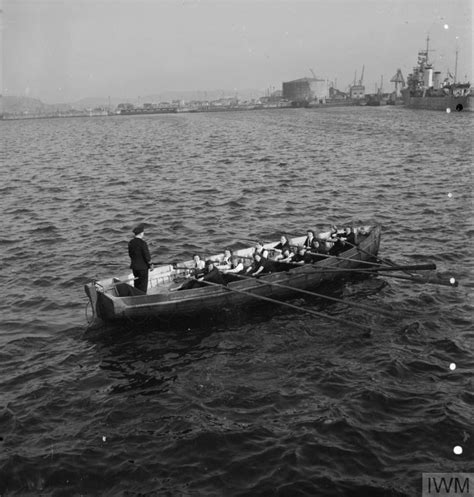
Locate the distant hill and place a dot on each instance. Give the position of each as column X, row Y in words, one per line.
column 28, row 105
column 98, row 102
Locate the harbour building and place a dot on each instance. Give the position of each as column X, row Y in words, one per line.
column 306, row 90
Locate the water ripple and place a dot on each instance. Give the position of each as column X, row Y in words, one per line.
column 249, row 403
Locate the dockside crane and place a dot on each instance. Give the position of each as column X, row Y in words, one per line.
column 361, row 80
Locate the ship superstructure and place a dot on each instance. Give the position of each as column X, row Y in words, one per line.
column 427, row 90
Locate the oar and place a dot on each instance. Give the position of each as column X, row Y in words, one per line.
column 411, row 277
column 423, row 279
column 286, row 304
column 328, row 256
column 320, row 295
column 452, row 281
column 249, row 257
column 417, row 279
column 413, row 267
column 121, row 264
column 384, row 261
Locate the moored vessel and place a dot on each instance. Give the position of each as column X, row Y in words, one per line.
column 426, row 89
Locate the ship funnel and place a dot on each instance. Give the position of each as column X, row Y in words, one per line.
column 437, row 80
column 428, row 78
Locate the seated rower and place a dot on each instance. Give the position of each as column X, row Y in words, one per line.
column 259, row 266
column 328, row 245
column 226, row 262
column 237, row 265
column 317, row 253
column 211, row 274
column 349, row 236
column 328, row 233
column 285, row 256
column 310, row 243
column 259, row 248
column 324, row 245
column 199, row 265
column 299, row 257
column 338, row 246
column 314, row 248
column 363, row 230
column 282, row 245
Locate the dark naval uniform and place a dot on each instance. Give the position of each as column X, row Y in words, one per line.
column 140, row 262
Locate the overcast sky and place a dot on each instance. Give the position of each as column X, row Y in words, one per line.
column 65, row 50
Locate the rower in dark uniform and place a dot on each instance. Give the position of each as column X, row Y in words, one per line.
column 211, row 274
column 346, row 240
column 299, row 257
column 140, row 258
column 350, row 236
column 260, row 265
column 311, row 243
column 282, row 245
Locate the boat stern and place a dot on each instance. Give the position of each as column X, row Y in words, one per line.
column 104, row 307
column 91, row 291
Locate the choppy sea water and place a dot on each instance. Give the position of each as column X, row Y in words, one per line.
column 268, row 402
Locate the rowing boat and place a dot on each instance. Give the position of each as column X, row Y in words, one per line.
column 113, row 300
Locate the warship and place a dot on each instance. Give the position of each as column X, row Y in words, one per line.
column 426, row 90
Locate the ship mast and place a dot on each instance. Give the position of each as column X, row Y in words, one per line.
column 456, row 66
column 426, row 55
column 427, row 47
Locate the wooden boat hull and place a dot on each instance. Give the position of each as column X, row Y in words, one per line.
column 161, row 303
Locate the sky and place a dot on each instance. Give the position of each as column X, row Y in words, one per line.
column 65, row 50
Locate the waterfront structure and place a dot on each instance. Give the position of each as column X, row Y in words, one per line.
column 305, row 90
column 335, row 94
column 399, row 81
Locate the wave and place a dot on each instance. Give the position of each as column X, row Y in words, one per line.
column 291, row 403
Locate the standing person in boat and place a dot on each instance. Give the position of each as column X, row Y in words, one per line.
column 140, row 258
